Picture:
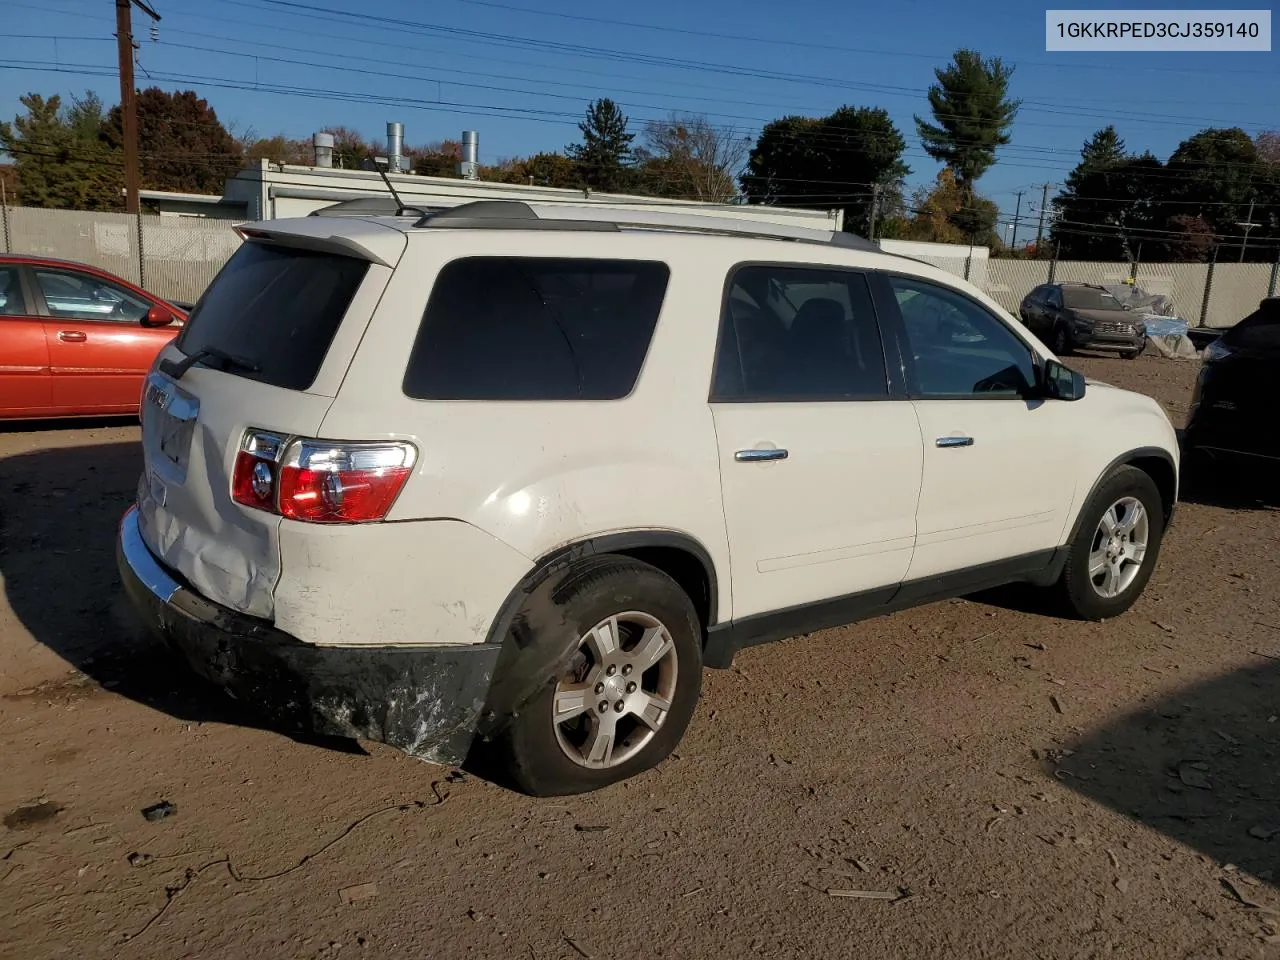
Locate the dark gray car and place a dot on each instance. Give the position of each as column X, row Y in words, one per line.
column 1071, row 316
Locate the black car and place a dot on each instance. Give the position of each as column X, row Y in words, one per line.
column 1070, row 316
column 1233, row 408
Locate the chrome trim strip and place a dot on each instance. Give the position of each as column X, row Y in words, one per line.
column 140, row 560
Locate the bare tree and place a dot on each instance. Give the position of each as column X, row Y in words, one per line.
column 688, row 156
column 1268, row 144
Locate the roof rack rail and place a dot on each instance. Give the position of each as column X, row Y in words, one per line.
column 378, row 206
column 519, row 215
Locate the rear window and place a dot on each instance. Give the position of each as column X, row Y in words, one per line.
column 276, row 308
column 526, row 328
column 1260, row 330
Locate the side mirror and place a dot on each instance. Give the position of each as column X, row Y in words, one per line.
column 158, row 316
column 1060, row 382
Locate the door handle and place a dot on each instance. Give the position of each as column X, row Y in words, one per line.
column 72, row 336
column 954, row 441
column 758, row 455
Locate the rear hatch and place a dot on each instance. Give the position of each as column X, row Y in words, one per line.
column 265, row 348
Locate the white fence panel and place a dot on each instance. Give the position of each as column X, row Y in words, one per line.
column 106, row 240
column 1237, row 288
column 183, row 255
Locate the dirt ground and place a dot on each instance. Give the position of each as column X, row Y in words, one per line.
column 1020, row 786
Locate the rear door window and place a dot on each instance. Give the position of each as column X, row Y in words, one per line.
column 277, row 309
column 526, row 328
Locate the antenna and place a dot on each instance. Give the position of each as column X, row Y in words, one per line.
column 380, row 164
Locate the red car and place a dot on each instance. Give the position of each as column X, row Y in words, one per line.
column 75, row 341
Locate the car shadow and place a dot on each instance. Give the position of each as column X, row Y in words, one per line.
column 59, row 513
column 1232, row 484
column 67, row 423
column 1201, row 766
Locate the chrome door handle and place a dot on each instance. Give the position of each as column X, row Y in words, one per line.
column 954, row 441
column 72, row 336
column 760, row 455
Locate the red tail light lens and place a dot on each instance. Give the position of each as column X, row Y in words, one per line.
column 342, row 483
column 318, row 481
column 255, row 477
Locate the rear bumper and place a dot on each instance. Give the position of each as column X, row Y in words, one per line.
column 425, row 700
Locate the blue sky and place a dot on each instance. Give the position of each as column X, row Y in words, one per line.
column 522, row 71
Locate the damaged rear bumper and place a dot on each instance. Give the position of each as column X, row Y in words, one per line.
column 425, row 700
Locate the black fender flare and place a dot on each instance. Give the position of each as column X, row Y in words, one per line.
column 1138, row 453
column 531, row 609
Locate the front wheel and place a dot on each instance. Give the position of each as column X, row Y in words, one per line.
column 1132, row 354
column 1114, row 550
column 626, row 694
column 1061, row 340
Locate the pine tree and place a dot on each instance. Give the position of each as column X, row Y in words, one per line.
column 972, row 115
column 604, row 157
column 60, row 157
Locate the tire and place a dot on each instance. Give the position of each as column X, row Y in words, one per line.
column 548, row 758
column 1132, row 354
column 1082, row 596
column 1062, row 345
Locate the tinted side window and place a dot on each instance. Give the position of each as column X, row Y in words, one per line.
column 798, row 333
column 527, row 328
column 958, row 348
column 1054, row 297
column 82, row 296
column 12, row 303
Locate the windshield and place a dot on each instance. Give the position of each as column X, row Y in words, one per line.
column 1089, row 298
column 276, row 310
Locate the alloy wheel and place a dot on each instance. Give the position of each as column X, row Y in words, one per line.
column 618, row 690
column 1119, row 547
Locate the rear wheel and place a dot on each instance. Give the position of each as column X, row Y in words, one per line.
column 1114, row 550
column 624, row 698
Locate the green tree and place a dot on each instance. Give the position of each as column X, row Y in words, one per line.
column 604, row 157
column 1107, row 210
column 946, row 213
column 972, row 115
column 541, row 170
column 182, row 145
column 437, row 159
column 350, row 148
column 277, row 149
column 59, row 157
column 1215, row 174
column 841, row 161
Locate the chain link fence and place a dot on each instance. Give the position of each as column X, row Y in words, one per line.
column 1203, row 294
column 172, row 257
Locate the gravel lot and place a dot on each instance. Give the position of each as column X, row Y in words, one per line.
column 1025, row 788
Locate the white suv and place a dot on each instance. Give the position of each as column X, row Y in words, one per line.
column 508, row 477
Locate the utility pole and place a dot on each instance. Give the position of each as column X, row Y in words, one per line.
column 875, row 203
column 1017, row 213
column 128, row 96
column 1248, row 225
column 1044, row 203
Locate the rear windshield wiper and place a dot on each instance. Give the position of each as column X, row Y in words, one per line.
column 176, row 368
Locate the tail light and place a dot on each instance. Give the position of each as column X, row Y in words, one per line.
column 318, row 481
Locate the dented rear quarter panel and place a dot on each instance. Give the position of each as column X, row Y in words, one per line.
column 538, row 476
